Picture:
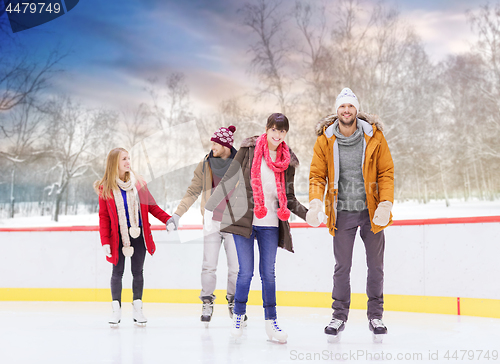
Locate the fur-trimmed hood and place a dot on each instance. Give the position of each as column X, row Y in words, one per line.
column 330, row 119
column 252, row 141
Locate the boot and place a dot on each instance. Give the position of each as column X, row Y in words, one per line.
column 378, row 329
column 274, row 331
column 207, row 310
column 117, row 314
column 230, row 305
column 334, row 330
column 335, row 327
column 137, row 313
column 238, row 324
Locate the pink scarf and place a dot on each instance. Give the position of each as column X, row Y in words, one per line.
column 278, row 167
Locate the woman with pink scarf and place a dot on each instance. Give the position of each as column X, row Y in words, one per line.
column 262, row 175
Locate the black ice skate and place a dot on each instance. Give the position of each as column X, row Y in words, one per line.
column 378, row 329
column 230, row 305
column 207, row 311
column 334, row 329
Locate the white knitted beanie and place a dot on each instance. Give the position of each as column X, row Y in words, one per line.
column 346, row 96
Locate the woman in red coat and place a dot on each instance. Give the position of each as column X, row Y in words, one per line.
column 124, row 203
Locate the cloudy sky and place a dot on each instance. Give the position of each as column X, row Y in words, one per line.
column 115, row 46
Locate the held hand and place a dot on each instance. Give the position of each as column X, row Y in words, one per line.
column 173, row 223
column 207, row 220
column 322, row 217
column 107, row 250
column 382, row 213
column 315, row 216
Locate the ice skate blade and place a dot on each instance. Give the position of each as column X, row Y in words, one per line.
column 378, row 338
column 236, row 335
column 333, row 338
column 113, row 325
column 276, row 341
column 140, row 324
column 206, row 324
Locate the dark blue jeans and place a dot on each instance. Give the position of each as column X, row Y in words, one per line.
column 267, row 241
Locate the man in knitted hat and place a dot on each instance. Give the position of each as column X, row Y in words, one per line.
column 352, row 162
column 207, row 176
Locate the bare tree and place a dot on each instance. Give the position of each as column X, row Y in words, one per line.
column 484, row 83
column 75, row 135
column 170, row 107
column 137, row 125
column 486, row 24
column 312, row 24
column 271, row 48
column 23, row 76
column 170, row 100
column 370, row 50
column 21, row 134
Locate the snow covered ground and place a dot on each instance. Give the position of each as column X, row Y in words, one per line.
column 401, row 211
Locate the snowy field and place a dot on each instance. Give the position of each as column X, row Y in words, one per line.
column 401, row 211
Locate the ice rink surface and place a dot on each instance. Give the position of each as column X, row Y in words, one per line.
column 74, row 332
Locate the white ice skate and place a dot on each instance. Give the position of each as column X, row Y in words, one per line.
column 378, row 330
column 334, row 330
column 117, row 314
column 274, row 331
column 230, row 306
column 238, row 325
column 137, row 314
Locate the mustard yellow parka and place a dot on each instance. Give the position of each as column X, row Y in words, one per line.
column 378, row 168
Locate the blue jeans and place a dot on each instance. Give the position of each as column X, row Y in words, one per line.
column 267, row 241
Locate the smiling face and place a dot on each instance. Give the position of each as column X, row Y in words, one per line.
column 347, row 114
column 217, row 149
column 275, row 137
column 123, row 164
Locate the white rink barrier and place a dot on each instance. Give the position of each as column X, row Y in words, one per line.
column 440, row 265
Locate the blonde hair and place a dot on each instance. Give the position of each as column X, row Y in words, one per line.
column 107, row 184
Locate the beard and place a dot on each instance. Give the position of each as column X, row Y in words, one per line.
column 347, row 122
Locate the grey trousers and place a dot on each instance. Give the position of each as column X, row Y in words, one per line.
column 212, row 242
column 343, row 243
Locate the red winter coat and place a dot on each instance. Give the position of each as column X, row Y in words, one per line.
column 108, row 221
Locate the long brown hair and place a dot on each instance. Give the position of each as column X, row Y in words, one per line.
column 107, row 184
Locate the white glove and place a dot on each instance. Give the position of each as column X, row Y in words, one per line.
column 207, row 220
column 173, row 223
column 382, row 213
column 107, row 250
column 315, row 216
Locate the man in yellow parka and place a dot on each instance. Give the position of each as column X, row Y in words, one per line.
column 352, row 167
